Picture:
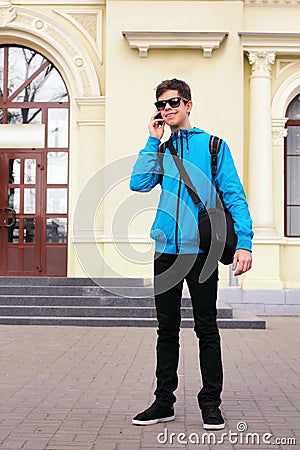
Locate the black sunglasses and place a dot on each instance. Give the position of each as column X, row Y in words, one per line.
column 174, row 102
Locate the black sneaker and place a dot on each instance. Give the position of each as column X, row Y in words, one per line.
column 212, row 418
column 154, row 414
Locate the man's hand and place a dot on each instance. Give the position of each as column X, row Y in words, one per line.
column 156, row 126
column 242, row 261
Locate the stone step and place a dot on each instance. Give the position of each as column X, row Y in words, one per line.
column 73, row 281
column 125, row 291
column 94, row 311
column 97, row 302
column 241, row 319
column 81, row 301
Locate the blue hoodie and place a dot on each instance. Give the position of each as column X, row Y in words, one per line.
column 175, row 228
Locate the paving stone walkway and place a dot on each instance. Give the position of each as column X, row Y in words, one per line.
column 77, row 388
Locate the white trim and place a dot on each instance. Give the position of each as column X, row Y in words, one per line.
column 277, row 241
column 97, row 236
column 272, row 3
column 288, row 63
column 90, row 123
column 90, row 101
column 285, row 94
column 61, row 2
column 280, row 43
column 144, row 40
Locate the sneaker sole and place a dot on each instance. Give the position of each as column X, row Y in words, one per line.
column 153, row 421
column 207, row 426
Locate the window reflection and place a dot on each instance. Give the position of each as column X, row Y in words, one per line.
column 57, row 201
column 24, row 115
column 13, row 230
column 14, row 171
column 57, row 168
column 30, row 171
column 14, row 199
column 29, row 230
column 29, row 201
column 58, row 128
column 294, row 109
column 1, row 70
column 292, row 164
column 293, row 220
column 47, row 86
column 56, row 230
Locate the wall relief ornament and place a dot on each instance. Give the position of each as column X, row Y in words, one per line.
column 278, row 135
column 7, row 13
column 89, row 23
column 52, row 36
column 261, row 63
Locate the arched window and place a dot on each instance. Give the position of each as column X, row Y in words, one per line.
column 292, row 170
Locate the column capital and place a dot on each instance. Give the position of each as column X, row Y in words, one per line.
column 261, row 62
column 279, row 132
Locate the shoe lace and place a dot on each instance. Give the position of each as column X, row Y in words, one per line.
column 212, row 411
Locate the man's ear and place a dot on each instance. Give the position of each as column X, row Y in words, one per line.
column 189, row 106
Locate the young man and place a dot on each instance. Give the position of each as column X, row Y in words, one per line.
column 177, row 253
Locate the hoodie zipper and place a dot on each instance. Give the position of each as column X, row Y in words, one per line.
column 178, row 196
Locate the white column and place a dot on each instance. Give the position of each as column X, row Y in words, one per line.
column 260, row 144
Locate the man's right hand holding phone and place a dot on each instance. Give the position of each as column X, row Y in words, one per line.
column 157, row 125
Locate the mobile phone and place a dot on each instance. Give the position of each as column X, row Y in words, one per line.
column 158, row 116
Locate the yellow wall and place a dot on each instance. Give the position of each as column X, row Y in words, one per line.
column 112, row 93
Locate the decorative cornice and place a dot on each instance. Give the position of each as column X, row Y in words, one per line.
column 272, row 3
column 90, row 101
column 144, row 40
column 279, row 43
column 7, row 13
column 59, row 41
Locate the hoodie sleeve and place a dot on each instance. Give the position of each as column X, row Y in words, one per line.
column 146, row 171
column 234, row 198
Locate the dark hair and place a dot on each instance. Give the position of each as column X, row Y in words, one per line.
column 176, row 85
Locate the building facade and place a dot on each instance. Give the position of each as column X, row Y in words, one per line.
column 77, row 89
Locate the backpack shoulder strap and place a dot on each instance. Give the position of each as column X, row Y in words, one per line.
column 214, row 148
column 161, row 154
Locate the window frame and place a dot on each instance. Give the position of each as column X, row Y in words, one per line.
column 289, row 123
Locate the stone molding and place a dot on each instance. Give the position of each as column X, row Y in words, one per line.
column 7, row 13
column 272, row 3
column 261, row 63
column 284, row 64
column 145, row 40
column 285, row 94
column 278, row 135
column 91, row 123
column 49, row 35
column 89, row 23
column 279, row 43
column 90, row 101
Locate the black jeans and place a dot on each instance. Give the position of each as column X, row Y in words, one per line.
column 169, row 274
